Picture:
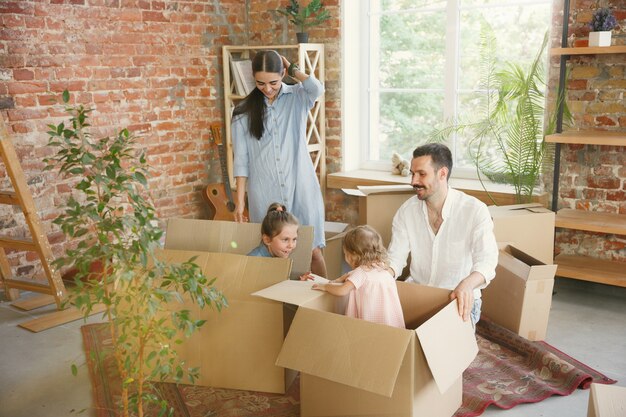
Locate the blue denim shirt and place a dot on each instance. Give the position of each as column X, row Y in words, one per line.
column 279, row 167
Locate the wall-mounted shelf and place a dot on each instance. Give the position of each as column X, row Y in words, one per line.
column 586, row 268
column 589, row 50
column 591, row 221
column 589, row 137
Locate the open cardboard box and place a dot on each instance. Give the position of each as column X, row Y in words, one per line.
column 232, row 237
column 237, row 347
column 352, row 367
column 520, row 295
column 530, row 227
column 378, row 205
column 606, row 401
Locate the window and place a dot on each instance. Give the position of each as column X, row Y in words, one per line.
column 411, row 65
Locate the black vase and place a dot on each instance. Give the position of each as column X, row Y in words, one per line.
column 302, row 37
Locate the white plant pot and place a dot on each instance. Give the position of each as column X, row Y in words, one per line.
column 602, row 38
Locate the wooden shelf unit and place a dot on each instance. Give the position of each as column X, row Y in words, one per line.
column 586, row 268
column 576, row 266
column 591, row 221
column 311, row 60
column 589, row 137
column 589, row 50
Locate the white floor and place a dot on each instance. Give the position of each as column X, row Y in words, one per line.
column 587, row 321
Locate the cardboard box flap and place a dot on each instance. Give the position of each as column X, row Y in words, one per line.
column 449, row 345
column 606, row 401
column 232, row 237
column 524, row 265
column 237, row 275
column 348, row 351
column 384, row 189
column 291, row 292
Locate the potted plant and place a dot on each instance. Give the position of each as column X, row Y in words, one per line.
column 602, row 24
column 507, row 141
column 112, row 223
column 312, row 14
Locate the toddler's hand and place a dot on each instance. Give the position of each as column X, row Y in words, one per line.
column 319, row 287
column 306, row 276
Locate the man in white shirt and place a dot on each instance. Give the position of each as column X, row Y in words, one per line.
column 448, row 233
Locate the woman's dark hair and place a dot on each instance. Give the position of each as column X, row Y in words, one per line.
column 276, row 218
column 439, row 153
column 254, row 105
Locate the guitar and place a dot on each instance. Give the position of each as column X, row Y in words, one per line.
column 220, row 195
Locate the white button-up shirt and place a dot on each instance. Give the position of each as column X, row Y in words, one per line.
column 465, row 242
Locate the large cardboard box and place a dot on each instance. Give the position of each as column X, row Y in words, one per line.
column 530, row 227
column 333, row 252
column 237, row 347
column 520, row 296
column 606, row 401
column 232, row 237
column 378, row 205
column 352, row 367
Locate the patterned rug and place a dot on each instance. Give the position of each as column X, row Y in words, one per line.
column 508, row 370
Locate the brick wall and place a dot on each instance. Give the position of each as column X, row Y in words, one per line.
column 151, row 66
column 593, row 177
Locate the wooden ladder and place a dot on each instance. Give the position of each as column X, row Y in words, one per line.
column 21, row 196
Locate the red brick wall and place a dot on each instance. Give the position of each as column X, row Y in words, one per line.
column 593, row 177
column 151, row 66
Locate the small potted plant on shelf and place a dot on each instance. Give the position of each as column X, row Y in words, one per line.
column 313, row 14
column 602, row 24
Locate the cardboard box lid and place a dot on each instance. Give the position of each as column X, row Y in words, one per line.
column 365, row 190
column 237, row 275
column 232, row 237
column 606, row 401
column 291, row 292
column 333, row 228
column 345, row 350
column 523, row 265
column 448, row 352
column 518, row 209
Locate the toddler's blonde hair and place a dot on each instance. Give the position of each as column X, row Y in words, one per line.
column 366, row 246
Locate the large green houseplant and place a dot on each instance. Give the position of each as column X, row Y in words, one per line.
column 506, row 142
column 303, row 17
column 112, row 222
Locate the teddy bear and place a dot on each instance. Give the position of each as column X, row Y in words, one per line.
column 400, row 166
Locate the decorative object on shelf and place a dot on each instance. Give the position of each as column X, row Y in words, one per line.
column 111, row 218
column 506, row 143
column 399, row 165
column 602, row 24
column 313, row 14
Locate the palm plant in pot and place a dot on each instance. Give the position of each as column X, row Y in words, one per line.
column 507, row 143
column 111, row 222
column 303, row 17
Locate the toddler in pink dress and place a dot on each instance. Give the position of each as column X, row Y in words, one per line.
column 371, row 288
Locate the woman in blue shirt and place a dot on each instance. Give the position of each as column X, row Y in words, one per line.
column 271, row 158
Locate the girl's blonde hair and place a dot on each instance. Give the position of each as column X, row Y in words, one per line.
column 276, row 218
column 365, row 245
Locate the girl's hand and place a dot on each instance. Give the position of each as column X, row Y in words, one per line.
column 306, row 276
column 238, row 214
column 319, row 287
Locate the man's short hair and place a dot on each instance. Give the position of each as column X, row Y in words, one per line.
column 440, row 154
